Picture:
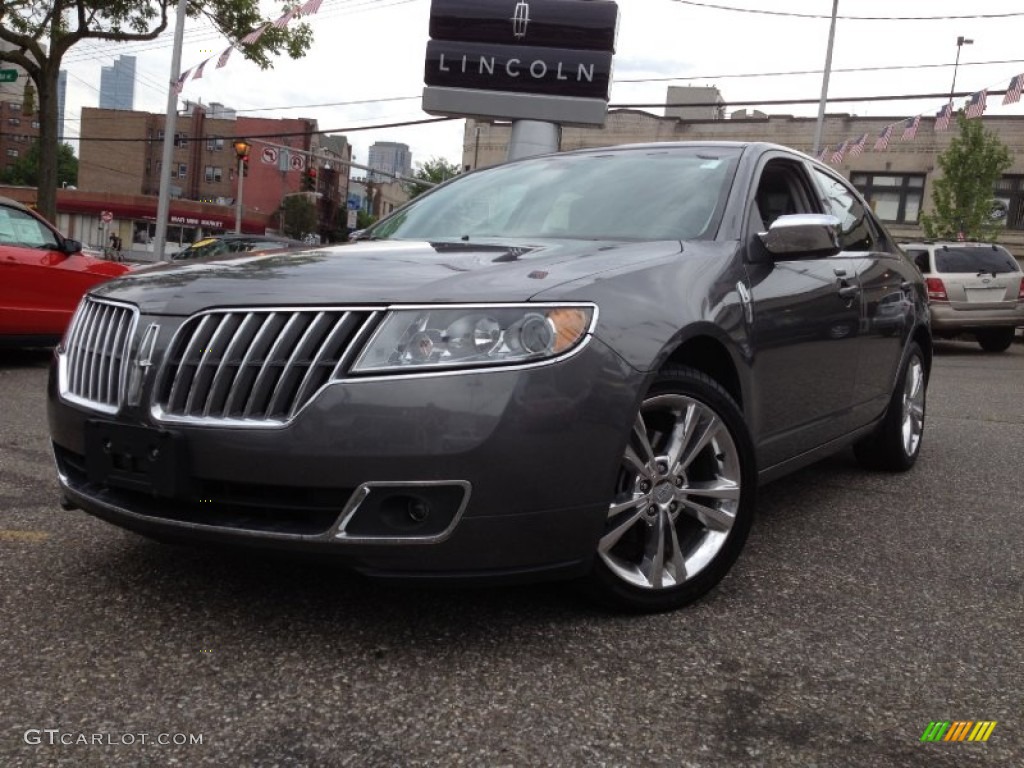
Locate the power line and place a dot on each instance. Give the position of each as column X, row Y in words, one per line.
column 814, row 71
column 778, row 102
column 795, row 14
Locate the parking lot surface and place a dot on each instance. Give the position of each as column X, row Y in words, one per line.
column 865, row 607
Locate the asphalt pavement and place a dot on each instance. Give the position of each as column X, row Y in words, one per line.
column 865, row 607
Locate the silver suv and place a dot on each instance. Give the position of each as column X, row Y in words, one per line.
column 975, row 288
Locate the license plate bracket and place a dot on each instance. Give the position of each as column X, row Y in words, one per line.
column 136, row 458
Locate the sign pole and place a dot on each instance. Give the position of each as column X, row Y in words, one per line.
column 533, row 137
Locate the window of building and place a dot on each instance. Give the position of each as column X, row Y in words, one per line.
column 181, row 139
column 35, row 124
column 14, row 106
column 215, row 144
column 1010, row 193
column 894, row 197
column 159, row 135
column 13, row 121
column 12, row 153
column 214, row 174
column 182, row 170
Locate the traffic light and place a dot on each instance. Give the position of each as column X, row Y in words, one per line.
column 309, row 181
column 245, row 165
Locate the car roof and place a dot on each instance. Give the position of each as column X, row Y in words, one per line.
column 15, row 204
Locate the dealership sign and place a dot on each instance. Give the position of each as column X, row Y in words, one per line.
column 545, row 60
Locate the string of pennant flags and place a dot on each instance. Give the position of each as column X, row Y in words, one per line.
column 907, row 129
column 306, row 9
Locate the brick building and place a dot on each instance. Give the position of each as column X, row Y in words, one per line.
column 17, row 132
column 897, row 181
column 122, row 151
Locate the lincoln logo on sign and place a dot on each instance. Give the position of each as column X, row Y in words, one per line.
column 490, row 58
column 520, row 20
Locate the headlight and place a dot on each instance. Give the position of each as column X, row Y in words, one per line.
column 438, row 337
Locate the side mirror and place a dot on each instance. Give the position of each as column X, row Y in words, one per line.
column 802, row 235
column 70, row 247
column 356, row 235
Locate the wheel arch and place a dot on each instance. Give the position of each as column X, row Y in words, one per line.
column 709, row 355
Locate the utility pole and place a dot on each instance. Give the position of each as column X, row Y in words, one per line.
column 163, row 207
column 824, row 83
column 961, row 41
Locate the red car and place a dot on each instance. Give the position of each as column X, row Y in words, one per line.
column 42, row 277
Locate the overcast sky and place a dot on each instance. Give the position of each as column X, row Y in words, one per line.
column 374, row 49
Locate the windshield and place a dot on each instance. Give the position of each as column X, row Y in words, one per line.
column 974, row 260
column 656, row 194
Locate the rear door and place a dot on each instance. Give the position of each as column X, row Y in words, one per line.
column 978, row 277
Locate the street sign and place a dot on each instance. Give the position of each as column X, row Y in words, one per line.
column 8, row 75
column 106, row 217
column 353, row 219
column 297, row 162
column 269, row 155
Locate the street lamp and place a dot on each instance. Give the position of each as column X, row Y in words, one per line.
column 961, row 41
column 242, row 148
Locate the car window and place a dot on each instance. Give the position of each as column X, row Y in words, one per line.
column 19, row 228
column 920, row 260
column 782, row 191
column 974, row 260
column 666, row 194
column 856, row 230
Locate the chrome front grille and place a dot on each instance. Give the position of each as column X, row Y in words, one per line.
column 254, row 366
column 95, row 359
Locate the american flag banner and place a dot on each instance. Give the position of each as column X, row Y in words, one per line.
column 910, row 126
column 942, row 117
column 311, row 7
column 858, row 146
column 199, row 70
column 180, row 82
column 837, row 156
column 882, row 142
column 224, row 57
column 976, row 104
column 287, row 16
column 255, row 35
column 1013, row 90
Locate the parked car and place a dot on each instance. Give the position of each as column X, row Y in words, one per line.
column 227, row 245
column 973, row 288
column 572, row 366
column 43, row 275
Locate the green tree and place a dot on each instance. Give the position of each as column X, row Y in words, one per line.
column 298, row 216
column 364, row 220
column 433, row 171
column 962, row 196
column 25, row 170
column 43, row 32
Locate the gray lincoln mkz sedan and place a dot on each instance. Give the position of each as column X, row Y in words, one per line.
column 573, row 366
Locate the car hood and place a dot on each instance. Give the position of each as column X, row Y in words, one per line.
column 387, row 272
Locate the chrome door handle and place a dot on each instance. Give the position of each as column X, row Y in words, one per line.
column 849, row 291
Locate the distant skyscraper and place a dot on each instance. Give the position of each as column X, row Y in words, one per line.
column 392, row 157
column 117, row 84
column 62, row 93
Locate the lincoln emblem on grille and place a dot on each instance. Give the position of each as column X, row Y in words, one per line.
column 520, row 20
column 143, row 363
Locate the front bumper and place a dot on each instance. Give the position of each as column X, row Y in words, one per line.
column 946, row 319
column 535, row 452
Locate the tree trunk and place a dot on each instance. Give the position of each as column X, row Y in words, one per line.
column 49, row 142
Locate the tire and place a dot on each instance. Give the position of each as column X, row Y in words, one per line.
column 684, row 497
column 996, row 339
column 896, row 443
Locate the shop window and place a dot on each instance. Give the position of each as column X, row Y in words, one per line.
column 1009, row 194
column 894, row 197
